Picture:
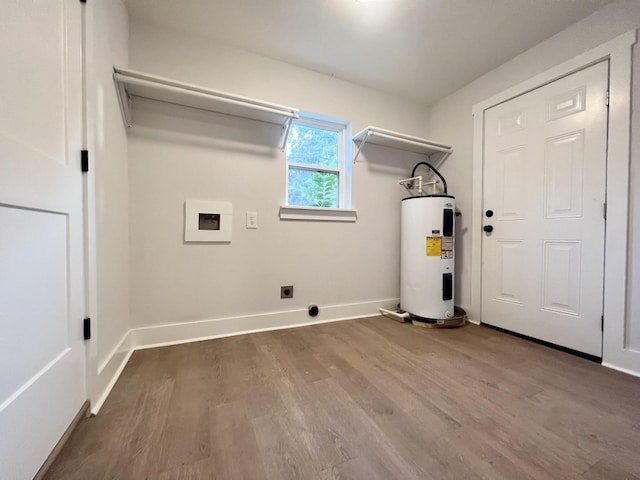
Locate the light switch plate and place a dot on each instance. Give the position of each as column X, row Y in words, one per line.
column 252, row 219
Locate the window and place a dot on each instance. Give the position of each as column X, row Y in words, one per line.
column 318, row 166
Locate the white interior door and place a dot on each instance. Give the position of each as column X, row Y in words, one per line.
column 42, row 357
column 544, row 187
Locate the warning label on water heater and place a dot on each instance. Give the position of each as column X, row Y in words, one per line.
column 447, row 247
column 434, row 246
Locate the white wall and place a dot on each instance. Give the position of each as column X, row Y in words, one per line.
column 107, row 30
column 177, row 153
column 451, row 122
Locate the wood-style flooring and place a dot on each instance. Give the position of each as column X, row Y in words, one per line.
column 363, row 399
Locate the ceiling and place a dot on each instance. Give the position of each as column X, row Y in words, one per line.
column 418, row 49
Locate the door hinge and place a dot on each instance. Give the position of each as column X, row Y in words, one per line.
column 602, row 323
column 605, row 210
column 83, row 1
column 607, row 97
column 84, row 161
column 86, row 328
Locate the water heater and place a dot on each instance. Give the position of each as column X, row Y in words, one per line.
column 427, row 257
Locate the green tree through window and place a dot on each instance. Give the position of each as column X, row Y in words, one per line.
column 314, row 166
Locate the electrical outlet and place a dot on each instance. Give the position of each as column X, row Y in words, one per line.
column 286, row 291
column 252, row 219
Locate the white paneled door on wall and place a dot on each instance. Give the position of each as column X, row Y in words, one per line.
column 544, row 190
column 42, row 355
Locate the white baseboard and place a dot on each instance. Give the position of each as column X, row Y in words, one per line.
column 109, row 371
column 621, row 369
column 176, row 333
column 171, row 334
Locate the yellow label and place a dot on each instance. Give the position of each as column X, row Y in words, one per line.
column 434, row 246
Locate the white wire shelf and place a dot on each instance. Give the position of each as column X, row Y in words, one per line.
column 399, row 141
column 130, row 83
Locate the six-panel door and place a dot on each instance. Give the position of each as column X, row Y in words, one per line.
column 544, row 180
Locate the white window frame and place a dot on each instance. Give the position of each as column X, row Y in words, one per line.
column 344, row 212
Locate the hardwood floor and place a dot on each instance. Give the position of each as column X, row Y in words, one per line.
column 364, row 399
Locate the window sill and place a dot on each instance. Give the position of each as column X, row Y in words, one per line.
column 318, row 214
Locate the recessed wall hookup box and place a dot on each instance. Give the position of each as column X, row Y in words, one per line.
column 207, row 221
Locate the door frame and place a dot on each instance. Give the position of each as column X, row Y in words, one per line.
column 618, row 51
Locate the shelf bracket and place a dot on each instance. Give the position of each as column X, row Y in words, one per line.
column 362, row 142
column 286, row 127
column 124, row 100
column 441, row 160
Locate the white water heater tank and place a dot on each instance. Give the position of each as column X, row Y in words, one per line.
column 427, row 257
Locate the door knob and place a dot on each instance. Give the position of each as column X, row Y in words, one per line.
column 488, row 228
